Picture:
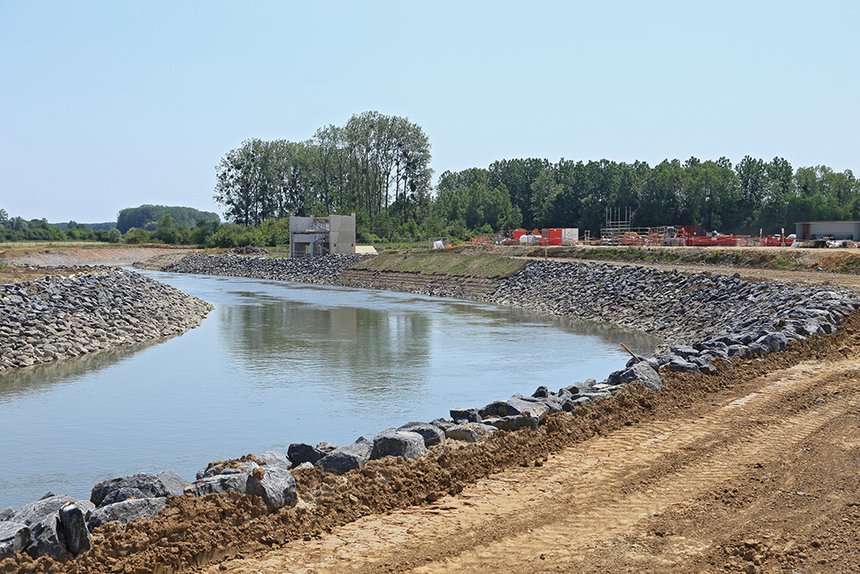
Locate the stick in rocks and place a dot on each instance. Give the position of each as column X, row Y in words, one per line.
column 632, row 354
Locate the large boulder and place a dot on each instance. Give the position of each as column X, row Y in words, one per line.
column 14, row 537
column 274, row 484
column 32, row 513
column 678, row 364
column 272, row 458
column 470, row 432
column 431, row 434
column 124, row 493
column 398, row 443
column 346, row 458
column 47, row 539
column 227, row 467
column 126, row 511
column 227, row 482
column 513, row 423
column 529, row 407
column 149, row 485
column 300, row 452
column 73, row 519
column 6, row 514
column 465, row 415
column 645, row 374
column 773, row 341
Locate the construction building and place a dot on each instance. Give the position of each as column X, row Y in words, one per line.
column 318, row 236
column 835, row 230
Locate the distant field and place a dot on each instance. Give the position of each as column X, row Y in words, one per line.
column 444, row 263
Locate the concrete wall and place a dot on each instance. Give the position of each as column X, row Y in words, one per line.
column 342, row 234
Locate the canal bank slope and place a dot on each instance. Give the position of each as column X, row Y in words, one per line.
column 93, row 309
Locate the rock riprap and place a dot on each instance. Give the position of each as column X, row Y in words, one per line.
column 703, row 318
column 57, row 317
column 318, row 270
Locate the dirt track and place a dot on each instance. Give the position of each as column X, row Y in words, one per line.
column 769, row 470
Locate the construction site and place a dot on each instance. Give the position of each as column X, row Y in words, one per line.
column 618, row 230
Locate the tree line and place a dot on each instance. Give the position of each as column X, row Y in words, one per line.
column 377, row 166
column 713, row 194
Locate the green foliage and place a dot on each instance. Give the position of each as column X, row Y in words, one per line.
column 374, row 164
column 136, row 236
column 147, row 217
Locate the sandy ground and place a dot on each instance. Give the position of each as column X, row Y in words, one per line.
column 764, row 477
column 68, row 257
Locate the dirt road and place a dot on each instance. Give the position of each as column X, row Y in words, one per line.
column 762, row 477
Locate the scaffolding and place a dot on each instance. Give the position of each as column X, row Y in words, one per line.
column 616, row 225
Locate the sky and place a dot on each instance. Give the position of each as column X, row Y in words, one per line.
column 113, row 104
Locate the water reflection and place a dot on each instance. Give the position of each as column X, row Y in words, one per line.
column 38, row 378
column 369, row 350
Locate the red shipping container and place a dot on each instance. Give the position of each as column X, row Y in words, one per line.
column 518, row 233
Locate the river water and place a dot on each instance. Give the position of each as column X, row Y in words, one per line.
column 276, row 363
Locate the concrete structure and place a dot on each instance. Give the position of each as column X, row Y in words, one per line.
column 317, row 236
column 807, row 230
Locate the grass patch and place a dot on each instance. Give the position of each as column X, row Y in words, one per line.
column 444, row 263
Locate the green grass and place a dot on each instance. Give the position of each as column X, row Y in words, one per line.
column 443, row 263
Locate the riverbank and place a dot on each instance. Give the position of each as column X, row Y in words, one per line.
column 59, row 316
column 718, row 330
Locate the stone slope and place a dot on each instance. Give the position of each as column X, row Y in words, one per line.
column 57, row 317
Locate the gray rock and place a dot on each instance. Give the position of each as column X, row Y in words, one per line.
column 680, row 365
column 470, row 432
column 346, row 458
column 541, row 392
column 234, row 481
column 495, row 409
column 14, row 537
column 275, row 458
column 398, row 443
column 32, row 513
column 73, row 519
column 46, row 539
column 227, row 467
column 126, row 511
column 6, row 514
column 431, row 434
column 150, row 485
column 645, row 374
column 513, row 423
column 301, row 452
column 275, row 484
column 685, row 352
column 467, row 415
column 523, row 406
column 442, row 424
column 773, row 341
column 124, row 493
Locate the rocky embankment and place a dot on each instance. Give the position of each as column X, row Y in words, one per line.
column 704, row 318
column 708, row 322
column 318, row 270
column 57, row 317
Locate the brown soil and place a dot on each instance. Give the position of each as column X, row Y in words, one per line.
column 71, row 256
column 755, row 469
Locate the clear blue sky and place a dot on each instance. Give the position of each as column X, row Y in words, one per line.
column 111, row 104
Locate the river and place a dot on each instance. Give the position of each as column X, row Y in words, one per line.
column 276, row 363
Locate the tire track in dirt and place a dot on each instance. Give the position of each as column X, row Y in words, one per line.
column 537, row 518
